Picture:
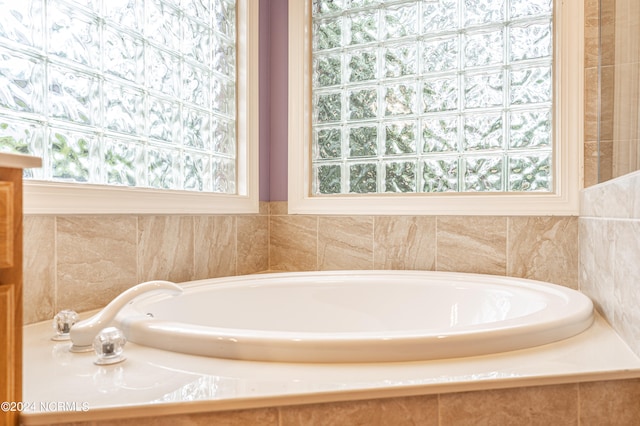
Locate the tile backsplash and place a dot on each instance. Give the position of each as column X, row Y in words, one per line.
column 87, row 260
column 542, row 248
column 83, row 262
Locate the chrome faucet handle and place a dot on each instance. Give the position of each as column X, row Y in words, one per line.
column 82, row 333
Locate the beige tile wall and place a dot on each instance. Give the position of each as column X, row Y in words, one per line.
column 83, row 262
column 542, row 248
column 618, row 95
column 599, row 121
column 626, row 86
column 591, row 43
column 611, row 403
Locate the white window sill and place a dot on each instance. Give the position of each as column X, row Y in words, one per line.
column 56, row 198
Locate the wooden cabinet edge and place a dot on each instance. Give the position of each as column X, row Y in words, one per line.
column 11, row 285
column 6, row 224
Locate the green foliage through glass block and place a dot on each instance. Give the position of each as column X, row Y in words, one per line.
column 70, row 155
column 329, row 107
column 440, row 134
column 400, row 177
column 362, row 66
column 484, row 174
column 440, row 175
column 530, row 172
column 400, row 138
column 327, row 71
column 363, row 141
column 459, row 92
column 363, row 104
column 111, row 92
column 329, row 178
column 363, row 178
column 329, row 143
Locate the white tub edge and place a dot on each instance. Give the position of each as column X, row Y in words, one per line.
column 596, row 354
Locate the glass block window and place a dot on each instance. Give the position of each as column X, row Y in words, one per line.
column 432, row 96
column 137, row 93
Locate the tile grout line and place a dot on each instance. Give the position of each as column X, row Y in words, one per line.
column 56, row 307
column 506, row 247
column 435, row 238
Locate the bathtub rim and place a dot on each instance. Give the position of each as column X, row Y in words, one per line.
column 247, row 344
column 599, row 354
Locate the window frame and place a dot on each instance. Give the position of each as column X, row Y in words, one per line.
column 568, row 137
column 42, row 197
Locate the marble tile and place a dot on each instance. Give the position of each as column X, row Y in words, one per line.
column 610, row 273
column 591, row 163
column 165, row 248
column 607, row 104
column 625, row 88
column 418, row 410
column 345, row 242
column 608, row 31
column 591, row 104
column 627, row 281
column 596, row 263
column 633, row 194
column 278, row 208
column 405, row 242
column 264, row 208
column 591, row 33
column 293, row 243
column 605, row 160
column 627, row 30
column 96, row 260
column 253, row 244
column 39, row 268
column 544, row 405
column 594, row 201
column 472, row 244
column 214, row 246
column 617, row 198
column 615, row 403
column 626, row 155
column 264, row 416
column 544, row 248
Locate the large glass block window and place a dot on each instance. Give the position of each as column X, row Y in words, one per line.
column 137, row 93
column 432, row 96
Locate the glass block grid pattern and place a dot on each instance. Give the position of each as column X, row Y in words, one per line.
column 425, row 96
column 138, row 93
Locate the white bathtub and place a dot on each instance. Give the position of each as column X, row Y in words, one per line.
column 356, row 316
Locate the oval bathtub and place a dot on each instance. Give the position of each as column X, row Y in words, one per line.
column 356, row 316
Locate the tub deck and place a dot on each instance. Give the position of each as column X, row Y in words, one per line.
column 153, row 382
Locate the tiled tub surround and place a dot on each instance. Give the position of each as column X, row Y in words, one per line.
column 557, row 383
column 610, row 253
column 82, row 262
column 542, row 248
